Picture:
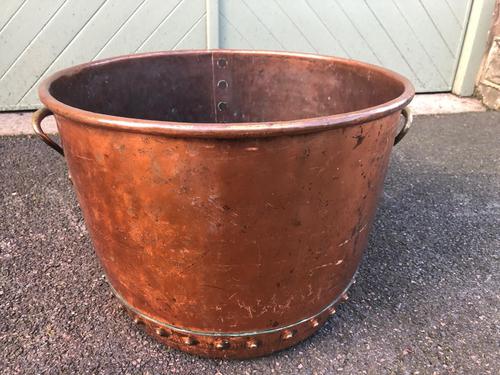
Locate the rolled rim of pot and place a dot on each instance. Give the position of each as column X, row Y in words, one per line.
column 404, row 96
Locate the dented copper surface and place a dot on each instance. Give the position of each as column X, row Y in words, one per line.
column 228, row 194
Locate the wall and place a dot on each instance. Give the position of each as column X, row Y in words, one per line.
column 488, row 87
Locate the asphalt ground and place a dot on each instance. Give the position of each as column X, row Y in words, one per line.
column 426, row 298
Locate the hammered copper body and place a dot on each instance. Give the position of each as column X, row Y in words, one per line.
column 228, row 194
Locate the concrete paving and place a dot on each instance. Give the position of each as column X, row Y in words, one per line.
column 426, row 298
column 16, row 123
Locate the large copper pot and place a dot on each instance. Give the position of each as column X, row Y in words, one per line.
column 228, row 194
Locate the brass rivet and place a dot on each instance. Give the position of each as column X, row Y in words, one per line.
column 188, row 340
column 222, row 84
column 221, row 63
column 222, row 344
column 332, row 311
column 344, row 297
column 138, row 320
column 314, row 323
column 161, row 332
column 222, row 106
column 252, row 344
column 287, row 334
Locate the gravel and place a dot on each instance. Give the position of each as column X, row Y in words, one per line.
column 426, row 298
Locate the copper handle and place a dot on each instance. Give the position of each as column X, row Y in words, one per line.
column 36, row 121
column 407, row 114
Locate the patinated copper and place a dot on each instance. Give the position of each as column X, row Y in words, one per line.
column 228, row 194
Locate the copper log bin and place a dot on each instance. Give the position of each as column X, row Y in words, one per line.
column 228, row 194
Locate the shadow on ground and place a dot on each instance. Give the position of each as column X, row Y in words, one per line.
column 426, row 297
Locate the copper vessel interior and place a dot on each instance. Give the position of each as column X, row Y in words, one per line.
column 180, row 88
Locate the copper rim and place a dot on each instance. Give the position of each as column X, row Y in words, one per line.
column 227, row 130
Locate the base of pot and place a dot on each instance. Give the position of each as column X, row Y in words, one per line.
column 236, row 345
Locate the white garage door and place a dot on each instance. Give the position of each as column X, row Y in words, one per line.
column 420, row 38
column 38, row 37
